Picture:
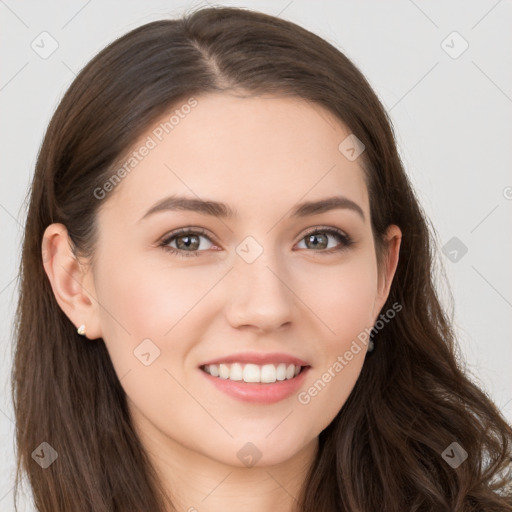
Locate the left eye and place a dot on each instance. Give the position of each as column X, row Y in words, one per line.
column 320, row 238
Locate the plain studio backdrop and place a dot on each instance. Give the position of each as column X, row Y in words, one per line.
column 443, row 71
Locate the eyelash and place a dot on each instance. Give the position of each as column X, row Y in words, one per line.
column 164, row 244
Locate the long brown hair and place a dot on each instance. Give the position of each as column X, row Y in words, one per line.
column 384, row 450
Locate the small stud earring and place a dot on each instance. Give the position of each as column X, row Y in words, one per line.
column 81, row 330
column 371, row 346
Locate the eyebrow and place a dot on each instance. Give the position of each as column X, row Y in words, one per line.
column 216, row 209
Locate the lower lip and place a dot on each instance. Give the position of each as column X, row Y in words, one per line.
column 257, row 392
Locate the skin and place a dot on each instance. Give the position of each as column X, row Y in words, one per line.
column 261, row 156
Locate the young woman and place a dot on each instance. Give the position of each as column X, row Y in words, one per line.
column 227, row 299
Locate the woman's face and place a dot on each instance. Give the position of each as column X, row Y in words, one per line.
column 251, row 295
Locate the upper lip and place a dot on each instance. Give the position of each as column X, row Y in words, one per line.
column 258, row 358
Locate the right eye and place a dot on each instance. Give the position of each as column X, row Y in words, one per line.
column 187, row 242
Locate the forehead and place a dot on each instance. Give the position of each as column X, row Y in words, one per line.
column 256, row 153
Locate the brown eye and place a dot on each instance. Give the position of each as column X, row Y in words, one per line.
column 186, row 242
column 318, row 240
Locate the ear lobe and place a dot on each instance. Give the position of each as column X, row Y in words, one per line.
column 67, row 276
column 390, row 263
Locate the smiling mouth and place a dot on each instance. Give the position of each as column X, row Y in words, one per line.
column 253, row 373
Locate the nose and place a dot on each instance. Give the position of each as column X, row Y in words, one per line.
column 260, row 296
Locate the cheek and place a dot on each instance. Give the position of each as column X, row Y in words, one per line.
column 146, row 300
column 148, row 321
column 343, row 302
column 345, row 308
column 155, row 309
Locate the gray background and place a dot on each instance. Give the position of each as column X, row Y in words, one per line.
column 452, row 114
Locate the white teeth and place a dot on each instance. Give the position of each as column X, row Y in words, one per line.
column 251, row 373
column 236, row 372
column 266, row 373
column 281, row 372
column 223, row 371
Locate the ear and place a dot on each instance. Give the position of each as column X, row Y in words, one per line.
column 393, row 240
column 71, row 280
